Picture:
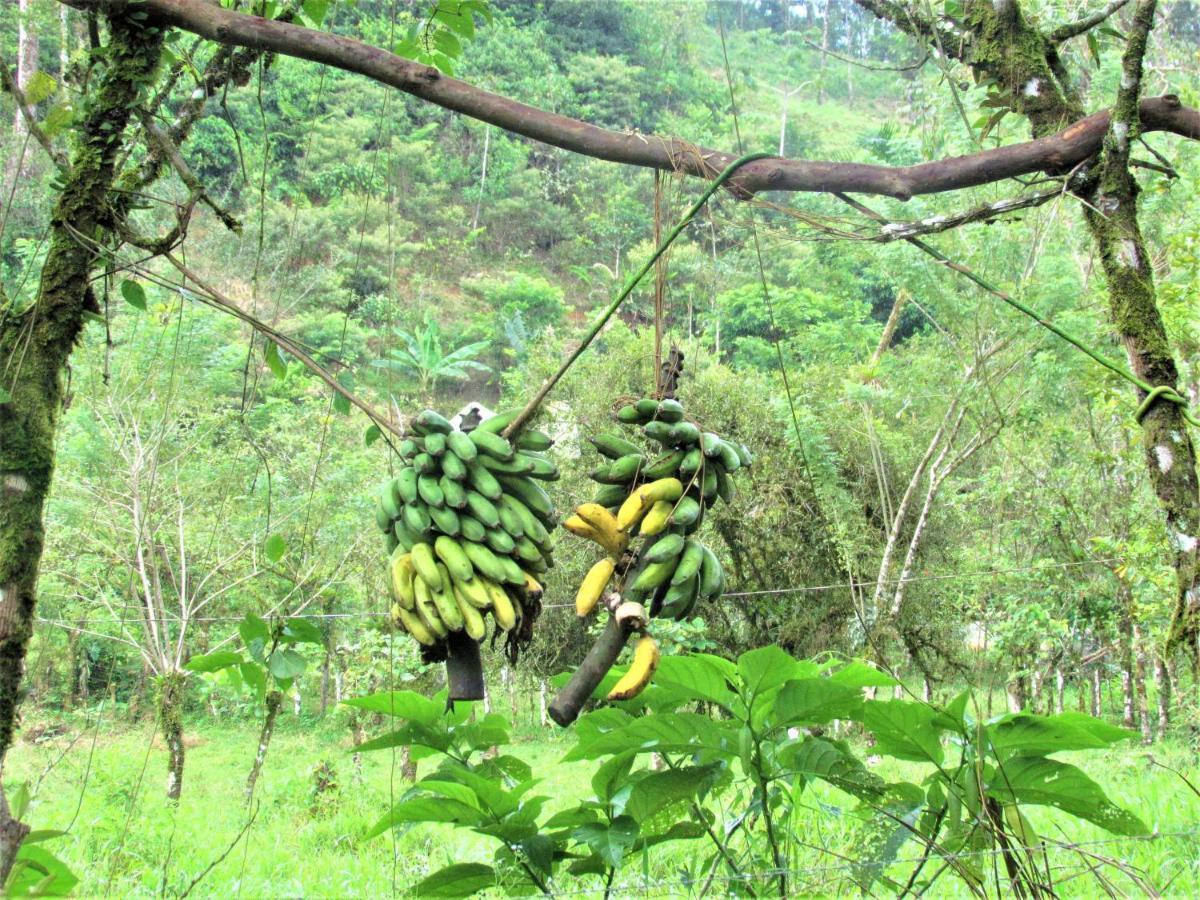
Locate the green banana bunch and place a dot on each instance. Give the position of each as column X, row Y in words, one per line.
column 468, row 526
column 661, row 496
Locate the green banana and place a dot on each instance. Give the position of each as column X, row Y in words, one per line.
column 516, row 465
column 670, row 411
column 452, row 556
column 527, row 551
column 430, row 422
column 382, row 519
column 486, row 562
column 658, row 431
column 426, row 565
column 473, row 623
column 454, row 494
column 665, row 549
column 498, row 422
column 406, row 483
column 531, row 494
column 689, row 563
column 725, row 489
column 613, row 446
column 620, row 471
column 427, row 487
column 665, row 465
column 461, row 446
column 629, row 415
column 409, row 448
column 534, row 440
column 647, row 408
column 611, row 495
column 424, row 463
column 530, row 524
column 683, row 434
column 404, row 537
column 686, row 513
column 416, row 517
column 443, row 599
column 472, row 529
column 426, row 610
column 435, row 444
column 499, row 540
column 389, row 498
column 513, row 525
column 483, row 509
column 484, row 481
column 540, row 467
column 712, row 576
column 653, row 575
column 490, row 444
column 743, row 453
column 680, row 599
column 453, row 467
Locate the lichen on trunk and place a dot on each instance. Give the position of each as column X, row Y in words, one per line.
column 171, row 688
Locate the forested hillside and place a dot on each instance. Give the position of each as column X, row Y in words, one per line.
column 943, row 490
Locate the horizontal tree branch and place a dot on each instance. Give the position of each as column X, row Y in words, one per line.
column 1054, row 153
column 1087, row 23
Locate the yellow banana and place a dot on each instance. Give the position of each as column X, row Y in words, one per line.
column 533, row 587
column 401, row 582
column 658, row 517
column 592, row 587
column 641, row 670
column 413, row 625
column 503, row 609
column 604, row 524
column 639, row 502
column 426, row 609
column 474, row 592
column 577, row 525
column 472, row 621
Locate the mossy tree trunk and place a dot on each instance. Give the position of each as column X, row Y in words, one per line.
column 274, row 701
column 36, row 343
column 1023, row 65
column 171, row 692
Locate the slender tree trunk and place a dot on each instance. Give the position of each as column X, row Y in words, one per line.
column 1018, row 692
column 487, row 139
column 170, row 715
column 35, row 346
column 1162, row 684
column 64, row 42
column 408, row 766
column 1060, row 688
column 27, row 66
column 1096, row 704
column 1125, row 629
column 274, row 701
column 1035, row 689
column 1139, row 686
column 824, row 54
column 543, row 716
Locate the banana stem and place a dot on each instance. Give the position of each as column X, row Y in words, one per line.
column 464, row 670
column 567, row 705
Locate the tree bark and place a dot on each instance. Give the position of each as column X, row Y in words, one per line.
column 35, row 346
column 1125, row 643
column 274, row 700
column 170, row 716
column 1139, row 686
column 1162, row 684
column 27, row 66
column 1097, row 707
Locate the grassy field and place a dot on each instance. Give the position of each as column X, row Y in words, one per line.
column 126, row 840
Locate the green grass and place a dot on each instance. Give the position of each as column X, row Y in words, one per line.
column 127, row 840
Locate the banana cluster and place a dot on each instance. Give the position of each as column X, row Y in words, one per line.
column 661, row 498
column 468, row 527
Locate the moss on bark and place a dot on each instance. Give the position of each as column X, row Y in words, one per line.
column 35, row 346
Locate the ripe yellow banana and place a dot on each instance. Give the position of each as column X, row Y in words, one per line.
column 401, row 582
column 633, row 682
column 639, row 502
column 426, row 609
column 533, row 587
column 658, row 517
column 472, row 619
column 592, row 587
column 579, row 526
column 503, row 609
column 413, row 625
column 604, row 524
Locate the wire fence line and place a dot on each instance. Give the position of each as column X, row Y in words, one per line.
column 641, row 885
column 140, row 617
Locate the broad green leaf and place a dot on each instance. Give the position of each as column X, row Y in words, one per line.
column 663, row 733
column 275, row 547
column 818, row 758
column 253, row 628
column 301, row 631
column 315, row 10
column 611, row 774
column 254, row 675
column 39, row 873
column 1047, row 782
column 816, row 701
column 39, row 87
column 698, row 676
column 426, row 809
column 452, row 790
column 134, row 294
column 60, row 117
column 372, row 434
column 904, row 730
column 286, row 663
column 5, row 396
column 413, row 734
column 458, row 880
column 1028, row 734
column 275, row 360
column 213, row 662
column 609, row 841
column 858, row 674
column 765, row 668
column 680, row 831
column 659, row 790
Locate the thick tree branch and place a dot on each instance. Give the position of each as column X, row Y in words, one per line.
column 9, row 84
column 1087, row 23
column 1053, row 153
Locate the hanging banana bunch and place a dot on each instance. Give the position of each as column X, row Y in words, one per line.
column 662, row 500
column 468, row 528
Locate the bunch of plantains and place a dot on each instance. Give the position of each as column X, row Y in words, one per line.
column 468, row 529
column 662, row 499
